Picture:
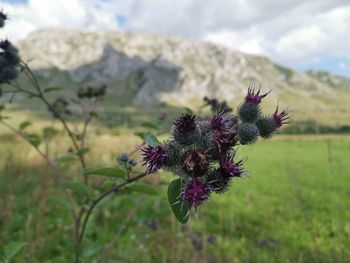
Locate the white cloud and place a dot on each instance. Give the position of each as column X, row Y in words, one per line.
column 292, row 32
column 249, row 42
column 36, row 14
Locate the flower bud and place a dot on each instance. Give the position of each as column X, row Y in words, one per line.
column 123, row 157
column 12, row 58
column 247, row 133
column 280, row 118
column 8, row 73
column 249, row 112
column 254, row 97
column 173, row 152
column 267, row 126
column 3, row 61
column 185, row 130
column 217, row 182
column 6, row 45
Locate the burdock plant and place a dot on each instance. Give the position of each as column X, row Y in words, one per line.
column 200, row 151
column 203, row 151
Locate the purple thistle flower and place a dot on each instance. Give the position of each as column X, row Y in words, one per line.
column 224, row 140
column 186, row 123
column 195, row 193
column 280, row 118
column 228, row 168
column 154, row 157
column 219, row 122
column 255, row 97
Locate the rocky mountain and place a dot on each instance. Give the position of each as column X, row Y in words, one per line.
column 148, row 69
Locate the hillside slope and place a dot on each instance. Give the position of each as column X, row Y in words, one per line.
column 146, row 69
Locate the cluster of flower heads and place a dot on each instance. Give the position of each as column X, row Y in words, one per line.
column 9, row 57
column 202, row 151
column 60, row 107
column 215, row 105
column 91, row 92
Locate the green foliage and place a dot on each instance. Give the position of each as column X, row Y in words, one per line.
column 142, row 188
column 78, row 188
column 34, row 139
column 291, row 199
column 105, row 171
column 151, row 139
column 149, row 125
column 24, row 125
column 52, row 89
column 12, row 249
column 179, row 208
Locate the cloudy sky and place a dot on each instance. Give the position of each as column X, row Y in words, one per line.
column 301, row 34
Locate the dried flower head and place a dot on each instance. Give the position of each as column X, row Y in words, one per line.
column 195, row 162
column 224, row 140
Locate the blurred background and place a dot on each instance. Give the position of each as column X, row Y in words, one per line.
column 157, row 57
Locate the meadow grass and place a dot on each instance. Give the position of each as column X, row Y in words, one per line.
column 292, row 207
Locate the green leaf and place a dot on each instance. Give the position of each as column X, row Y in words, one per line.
column 51, row 89
column 78, row 188
column 140, row 134
column 67, row 158
column 34, row 139
column 24, row 125
column 151, row 139
column 92, row 249
column 180, row 209
column 149, row 125
column 83, row 151
column 12, row 249
column 142, row 188
column 60, row 200
column 107, row 171
column 49, row 133
column 93, row 114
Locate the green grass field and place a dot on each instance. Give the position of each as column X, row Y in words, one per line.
column 292, row 207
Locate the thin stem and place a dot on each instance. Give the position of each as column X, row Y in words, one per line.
column 102, row 196
column 41, row 96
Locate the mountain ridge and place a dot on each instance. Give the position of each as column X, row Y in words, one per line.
column 147, row 68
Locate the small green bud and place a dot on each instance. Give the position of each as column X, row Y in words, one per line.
column 267, row 126
column 247, row 133
column 249, row 112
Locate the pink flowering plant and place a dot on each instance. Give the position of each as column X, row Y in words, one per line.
column 200, row 151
